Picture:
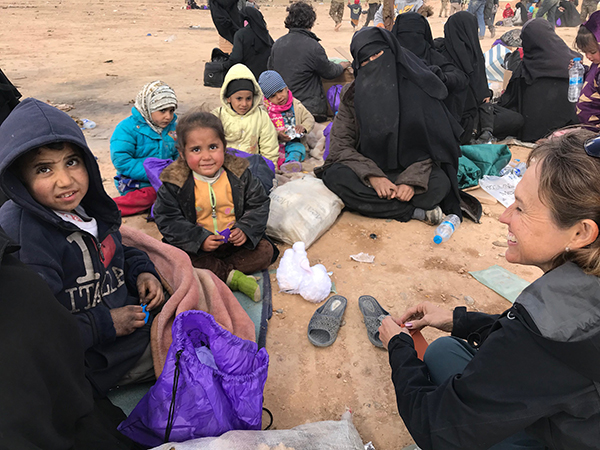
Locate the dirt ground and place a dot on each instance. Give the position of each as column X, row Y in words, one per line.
column 97, row 54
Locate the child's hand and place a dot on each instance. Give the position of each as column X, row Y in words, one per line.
column 213, row 242
column 300, row 129
column 283, row 137
column 127, row 319
column 150, row 290
column 238, row 237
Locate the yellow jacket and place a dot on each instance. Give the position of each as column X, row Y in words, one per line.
column 253, row 132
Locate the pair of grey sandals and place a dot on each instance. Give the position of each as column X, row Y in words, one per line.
column 326, row 321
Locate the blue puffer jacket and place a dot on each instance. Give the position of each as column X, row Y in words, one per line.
column 133, row 141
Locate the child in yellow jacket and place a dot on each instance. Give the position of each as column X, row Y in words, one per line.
column 247, row 125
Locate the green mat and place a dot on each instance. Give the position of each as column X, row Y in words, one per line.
column 501, row 281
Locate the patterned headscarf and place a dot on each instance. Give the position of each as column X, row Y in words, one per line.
column 153, row 97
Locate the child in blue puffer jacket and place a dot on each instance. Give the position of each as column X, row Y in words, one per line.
column 148, row 133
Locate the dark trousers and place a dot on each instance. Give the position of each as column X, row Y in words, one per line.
column 448, row 356
column 229, row 257
column 548, row 8
column 373, row 7
column 363, row 199
column 501, row 122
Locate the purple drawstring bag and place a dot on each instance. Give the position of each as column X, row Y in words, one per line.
column 212, row 382
column 333, row 97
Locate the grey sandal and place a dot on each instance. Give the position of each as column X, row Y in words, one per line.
column 372, row 313
column 325, row 322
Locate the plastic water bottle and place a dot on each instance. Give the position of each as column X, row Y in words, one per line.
column 88, row 124
column 446, row 228
column 520, row 168
column 575, row 80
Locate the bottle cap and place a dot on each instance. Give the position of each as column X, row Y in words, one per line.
column 576, row 59
column 437, row 239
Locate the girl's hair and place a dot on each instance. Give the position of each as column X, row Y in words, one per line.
column 300, row 15
column 198, row 118
column 570, row 188
column 585, row 40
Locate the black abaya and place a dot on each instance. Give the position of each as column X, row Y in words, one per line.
column 390, row 119
column 538, row 86
column 414, row 33
column 226, row 17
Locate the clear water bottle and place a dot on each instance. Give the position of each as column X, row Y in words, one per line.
column 446, row 228
column 88, row 124
column 520, row 168
column 575, row 80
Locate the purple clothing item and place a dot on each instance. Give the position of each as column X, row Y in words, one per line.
column 593, row 24
column 588, row 106
column 220, row 381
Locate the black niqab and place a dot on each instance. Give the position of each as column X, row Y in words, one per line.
column 399, row 109
column 257, row 23
column 414, row 33
column 545, row 54
column 461, row 41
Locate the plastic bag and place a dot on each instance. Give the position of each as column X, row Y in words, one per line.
column 334, row 97
column 212, row 382
column 330, row 435
column 302, row 210
column 295, row 276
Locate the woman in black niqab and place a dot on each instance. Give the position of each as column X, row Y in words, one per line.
column 538, row 86
column 414, row 33
column 479, row 118
column 392, row 124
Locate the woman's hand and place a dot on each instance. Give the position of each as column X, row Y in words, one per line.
column 389, row 328
column 127, row 319
column 404, row 192
column 237, row 237
column 345, row 64
column 283, row 137
column 212, row 242
column 383, row 186
column 150, row 290
column 300, row 129
column 427, row 314
column 571, row 64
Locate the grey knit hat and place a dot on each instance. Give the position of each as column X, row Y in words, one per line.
column 271, row 83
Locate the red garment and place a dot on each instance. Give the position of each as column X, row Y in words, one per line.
column 508, row 12
column 135, row 202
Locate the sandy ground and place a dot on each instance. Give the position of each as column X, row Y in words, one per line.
column 97, row 54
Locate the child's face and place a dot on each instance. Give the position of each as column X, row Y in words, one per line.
column 57, row 179
column 241, row 102
column 280, row 97
column 593, row 54
column 163, row 117
column 204, row 151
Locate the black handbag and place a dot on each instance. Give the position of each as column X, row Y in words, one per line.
column 214, row 74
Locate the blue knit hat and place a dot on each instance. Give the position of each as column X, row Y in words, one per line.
column 271, row 83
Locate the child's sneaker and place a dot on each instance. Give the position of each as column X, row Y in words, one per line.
column 291, row 167
column 238, row 281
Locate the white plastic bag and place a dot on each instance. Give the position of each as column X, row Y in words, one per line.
column 302, row 210
column 295, row 276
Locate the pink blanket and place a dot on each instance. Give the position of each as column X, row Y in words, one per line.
column 190, row 288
